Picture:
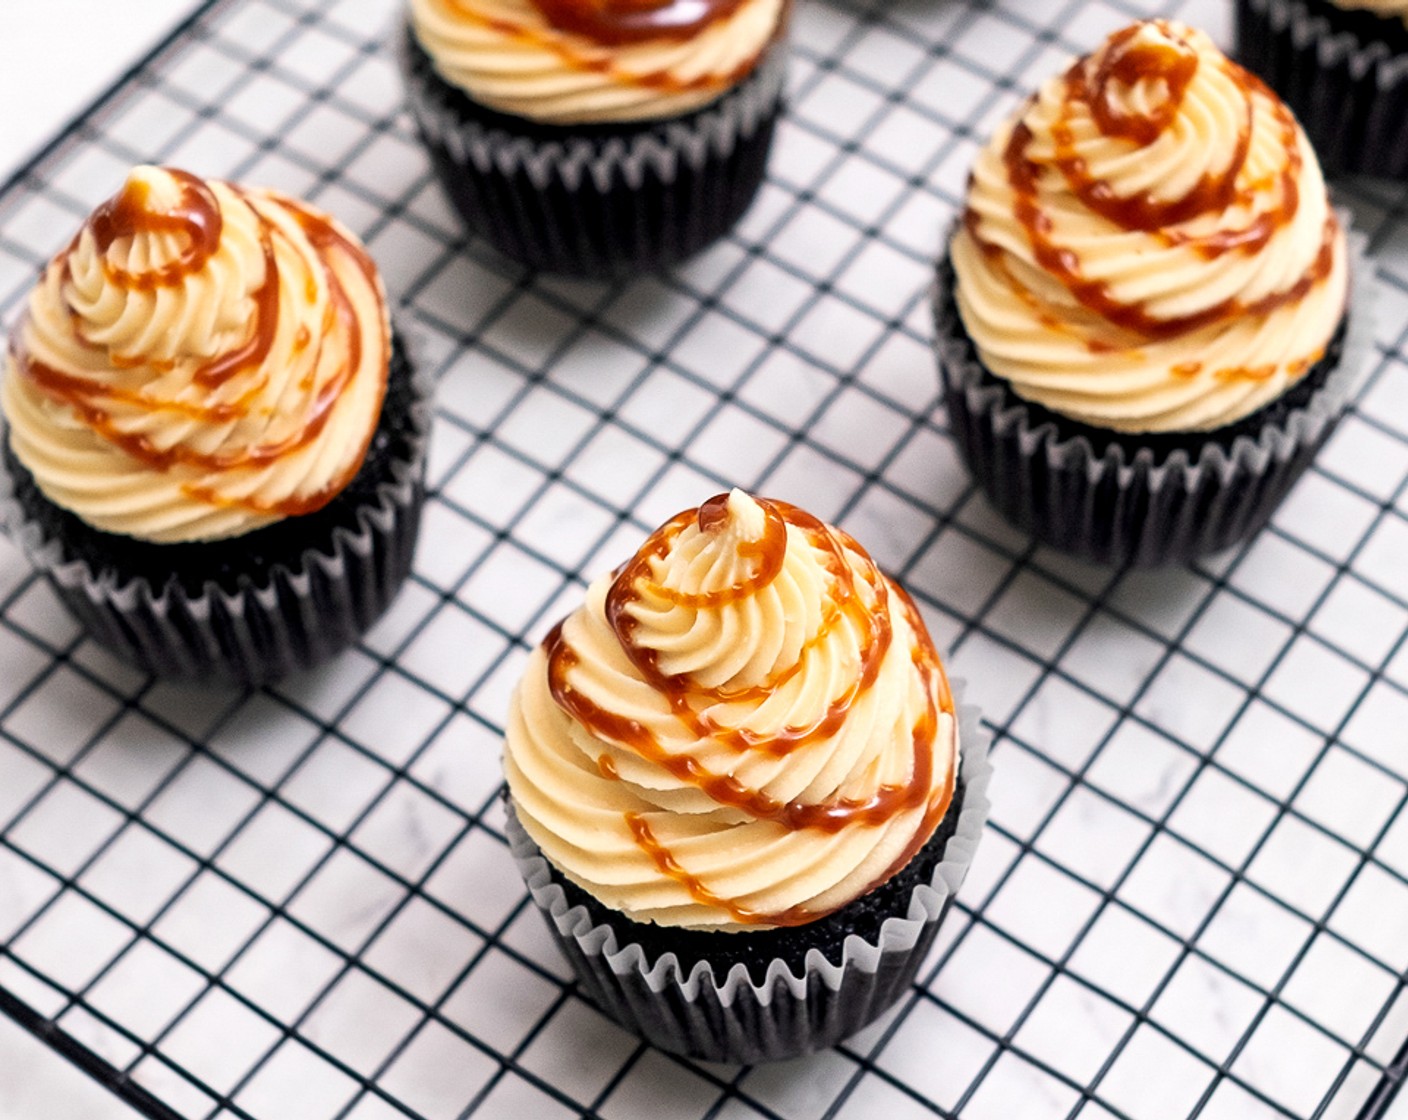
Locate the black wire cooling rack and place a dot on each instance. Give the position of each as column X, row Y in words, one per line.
column 297, row 902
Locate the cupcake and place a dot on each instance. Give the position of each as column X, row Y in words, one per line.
column 735, row 785
column 1342, row 65
column 214, row 444
column 597, row 139
column 1143, row 321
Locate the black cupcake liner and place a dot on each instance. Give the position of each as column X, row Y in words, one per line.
column 1142, row 500
column 597, row 201
column 1343, row 73
column 772, row 994
column 252, row 608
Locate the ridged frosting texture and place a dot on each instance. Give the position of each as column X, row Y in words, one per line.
column 201, row 361
column 508, row 55
column 1148, row 245
column 746, row 726
column 1385, row 8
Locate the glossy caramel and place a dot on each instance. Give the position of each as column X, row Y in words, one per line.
column 1125, row 62
column 196, row 218
column 620, row 22
column 689, row 701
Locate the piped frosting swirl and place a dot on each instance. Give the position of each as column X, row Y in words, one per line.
column 202, row 360
column 596, row 61
column 745, row 727
column 1148, row 245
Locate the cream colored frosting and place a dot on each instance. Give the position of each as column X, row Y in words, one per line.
column 505, row 54
column 750, row 670
column 1173, row 322
column 1385, row 8
column 125, row 391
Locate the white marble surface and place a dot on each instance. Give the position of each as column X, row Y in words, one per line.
column 60, row 54
column 36, row 1084
column 365, row 785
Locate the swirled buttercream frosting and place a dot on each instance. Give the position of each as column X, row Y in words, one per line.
column 202, row 360
column 596, row 61
column 746, row 726
column 1148, row 246
column 1386, row 8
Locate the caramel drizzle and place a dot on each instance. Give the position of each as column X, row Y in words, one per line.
column 198, row 211
column 560, row 14
column 1125, row 63
column 618, row 22
column 195, row 218
column 688, row 701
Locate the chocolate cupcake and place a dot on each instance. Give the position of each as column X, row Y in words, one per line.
column 1144, row 321
column 215, row 446
column 600, row 139
column 735, row 785
column 1342, row 65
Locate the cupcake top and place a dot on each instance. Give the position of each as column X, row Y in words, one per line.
column 746, row 726
column 596, row 61
column 203, row 359
column 1148, row 245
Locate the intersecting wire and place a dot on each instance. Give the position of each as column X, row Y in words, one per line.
column 617, row 521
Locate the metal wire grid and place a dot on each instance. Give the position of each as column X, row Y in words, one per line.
column 296, row 902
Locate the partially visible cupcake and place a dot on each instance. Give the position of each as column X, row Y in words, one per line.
column 215, row 446
column 1342, row 65
column 1144, row 314
column 735, row 785
column 597, row 139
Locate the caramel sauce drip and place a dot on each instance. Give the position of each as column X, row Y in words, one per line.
column 126, row 215
column 624, row 13
column 327, row 240
column 769, row 552
column 621, row 22
column 195, row 217
column 1213, row 193
column 1124, row 63
column 688, row 700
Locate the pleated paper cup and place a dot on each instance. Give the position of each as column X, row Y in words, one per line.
column 772, row 994
column 1128, row 499
column 253, row 608
column 597, row 201
column 1343, row 73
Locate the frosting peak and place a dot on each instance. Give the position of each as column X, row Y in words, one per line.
column 160, row 227
column 703, row 603
column 1148, row 245
column 747, row 725
column 202, row 360
column 162, row 243
column 1138, row 80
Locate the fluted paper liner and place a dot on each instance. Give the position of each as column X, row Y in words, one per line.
column 313, row 605
column 734, row 1018
column 1113, row 507
column 1349, row 92
column 597, row 200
